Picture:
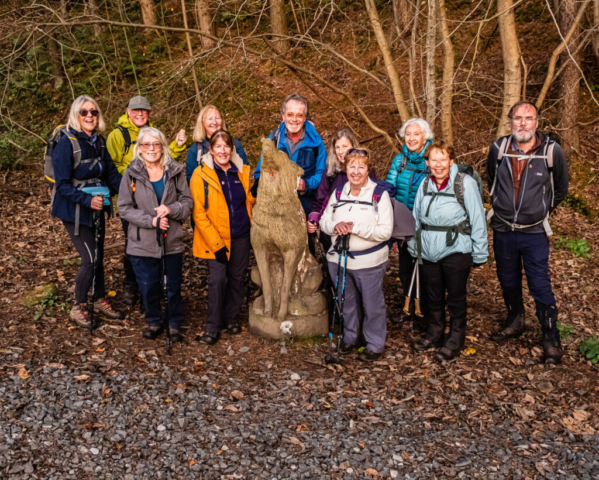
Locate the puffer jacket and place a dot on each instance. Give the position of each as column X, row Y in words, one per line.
column 142, row 239
column 407, row 182
column 116, row 143
column 447, row 212
column 191, row 162
column 67, row 196
column 212, row 228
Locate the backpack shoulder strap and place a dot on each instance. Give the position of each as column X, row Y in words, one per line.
column 425, row 185
column 200, row 153
column 549, row 163
column 126, row 137
column 458, row 190
column 133, row 188
column 205, row 195
column 76, row 151
column 403, row 163
column 276, row 136
column 502, row 149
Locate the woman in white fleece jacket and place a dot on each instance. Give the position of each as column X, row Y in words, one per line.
column 363, row 210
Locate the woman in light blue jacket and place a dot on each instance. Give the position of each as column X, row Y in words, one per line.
column 451, row 238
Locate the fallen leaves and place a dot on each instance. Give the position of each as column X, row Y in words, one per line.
column 81, row 378
column 236, row 395
column 297, row 441
column 545, row 387
column 23, row 374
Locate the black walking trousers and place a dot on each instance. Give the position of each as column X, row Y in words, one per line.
column 85, row 244
column 448, row 274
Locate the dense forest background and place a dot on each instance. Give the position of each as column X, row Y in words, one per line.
column 366, row 64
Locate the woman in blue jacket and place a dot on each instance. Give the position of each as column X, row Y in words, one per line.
column 451, row 238
column 74, row 171
column 406, row 173
column 209, row 121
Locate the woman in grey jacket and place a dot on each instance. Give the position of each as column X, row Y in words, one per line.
column 154, row 194
column 451, row 238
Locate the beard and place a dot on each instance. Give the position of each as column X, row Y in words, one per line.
column 523, row 135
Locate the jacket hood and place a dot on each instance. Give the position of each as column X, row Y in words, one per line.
column 416, row 158
column 125, row 121
column 138, row 168
column 312, row 138
column 235, row 159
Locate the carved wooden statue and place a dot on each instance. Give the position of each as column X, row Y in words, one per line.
column 288, row 274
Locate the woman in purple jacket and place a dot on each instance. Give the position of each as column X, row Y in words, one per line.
column 334, row 176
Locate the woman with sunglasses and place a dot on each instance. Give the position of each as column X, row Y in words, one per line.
column 74, row 171
column 362, row 210
column 334, row 176
column 154, row 195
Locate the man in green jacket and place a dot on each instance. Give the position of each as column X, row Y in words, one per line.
column 120, row 144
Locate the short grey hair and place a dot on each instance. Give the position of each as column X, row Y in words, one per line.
column 166, row 159
column 297, row 98
column 73, row 121
column 424, row 126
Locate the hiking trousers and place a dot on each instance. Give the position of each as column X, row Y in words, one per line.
column 225, row 286
column 85, row 244
column 148, row 271
column 515, row 249
column 364, row 300
column 450, row 274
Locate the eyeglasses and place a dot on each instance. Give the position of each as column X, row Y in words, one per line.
column 357, row 151
column 85, row 113
column 523, row 119
column 147, row 146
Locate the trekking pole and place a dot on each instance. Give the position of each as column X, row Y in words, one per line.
column 341, row 319
column 338, row 306
column 97, row 219
column 165, row 312
column 417, row 310
column 406, row 307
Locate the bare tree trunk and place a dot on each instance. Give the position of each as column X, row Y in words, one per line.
column 205, row 23
column 570, row 81
column 189, row 49
column 402, row 106
column 278, row 24
column 512, row 73
column 148, row 12
column 403, row 14
column 596, row 27
column 448, row 71
column 91, row 9
column 55, row 62
column 414, row 105
column 431, row 40
column 63, row 9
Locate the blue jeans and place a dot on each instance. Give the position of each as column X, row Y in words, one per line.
column 148, row 272
column 514, row 249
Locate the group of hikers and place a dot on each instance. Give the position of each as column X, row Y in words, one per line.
column 527, row 176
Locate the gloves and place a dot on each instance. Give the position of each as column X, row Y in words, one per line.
column 221, row 255
column 478, row 265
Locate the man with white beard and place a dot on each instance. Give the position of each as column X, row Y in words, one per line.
column 527, row 176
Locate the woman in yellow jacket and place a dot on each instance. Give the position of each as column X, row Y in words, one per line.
column 222, row 211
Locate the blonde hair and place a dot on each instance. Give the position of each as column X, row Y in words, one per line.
column 199, row 133
column 333, row 164
column 357, row 158
column 73, row 121
column 166, row 158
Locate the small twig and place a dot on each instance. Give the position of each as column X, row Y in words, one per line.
column 12, row 189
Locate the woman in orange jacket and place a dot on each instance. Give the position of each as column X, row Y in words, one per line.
column 220, row 187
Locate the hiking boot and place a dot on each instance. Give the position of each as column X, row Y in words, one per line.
column 103, row 307
column 425, row 344
column 445, row 354
column 210, row 338
column 129, row 293
column 552, row 346
column 176, row 336
column 400, row 318
column 514, row 324
column 152, row 333
column 346, row 349
column 368, row 356
column 233, row 329
column 80, row 316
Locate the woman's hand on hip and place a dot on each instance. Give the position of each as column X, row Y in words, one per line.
column 97, row 202
column 343, row 228
column 162, row 211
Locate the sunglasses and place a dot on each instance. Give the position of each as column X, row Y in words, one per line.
column 85, row 113
column 147, row 146
column 358, row 151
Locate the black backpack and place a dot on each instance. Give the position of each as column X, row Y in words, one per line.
column 127, row 137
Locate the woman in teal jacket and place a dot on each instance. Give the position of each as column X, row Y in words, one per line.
column 406, row 173
column 451, row 238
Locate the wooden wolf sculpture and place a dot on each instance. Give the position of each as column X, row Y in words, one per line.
column 280, row 240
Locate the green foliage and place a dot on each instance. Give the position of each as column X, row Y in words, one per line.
column 565, row 330
column 578, row 246
column 48, row 305
column 579, row 204
column 590, row 349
